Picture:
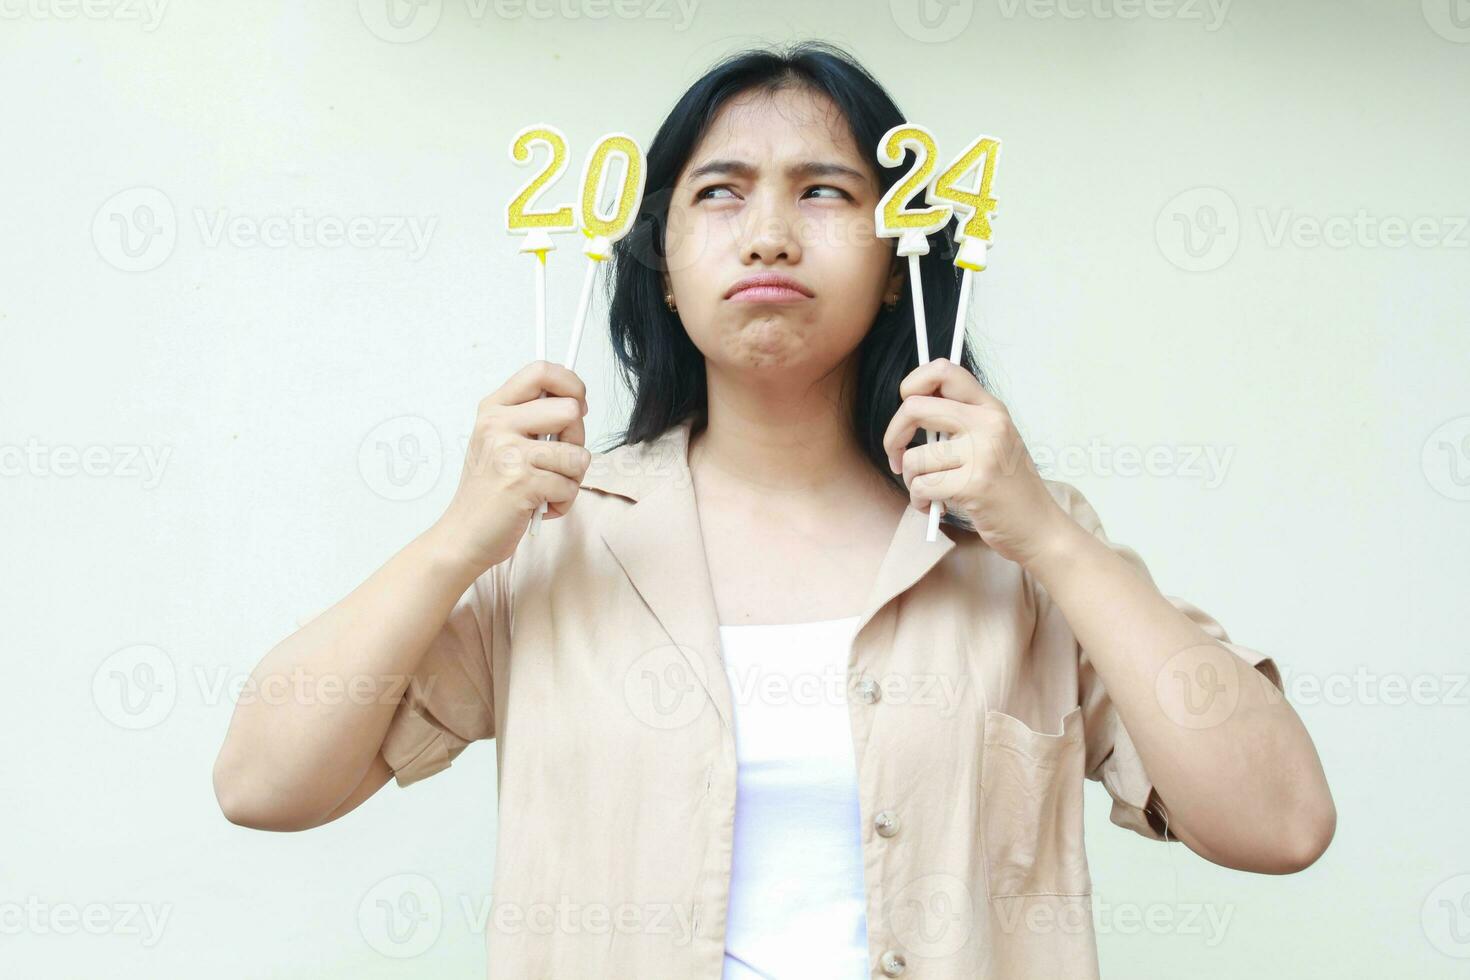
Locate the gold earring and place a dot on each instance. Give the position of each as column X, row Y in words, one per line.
column 669, row 301
column 891, row 301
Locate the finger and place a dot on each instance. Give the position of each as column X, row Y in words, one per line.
column 574, row 434
column 935, row 457
column 556, row 490
column 920, row 412
column 536, row 377
column 936, row 485
column 547, row 415
column 947, row 379
column 566, row 458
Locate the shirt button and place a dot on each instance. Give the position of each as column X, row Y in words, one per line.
column 868, row 690
column 892, row 963
column 886, row 822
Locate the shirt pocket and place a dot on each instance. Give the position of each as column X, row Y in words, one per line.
column 1032, row 788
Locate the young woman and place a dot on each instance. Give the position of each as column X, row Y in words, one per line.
column 749, row 722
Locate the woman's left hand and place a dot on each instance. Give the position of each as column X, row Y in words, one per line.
column 982, row 466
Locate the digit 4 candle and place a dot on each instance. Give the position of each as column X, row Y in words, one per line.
column 974, row 208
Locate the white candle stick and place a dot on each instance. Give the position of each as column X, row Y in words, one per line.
column 538, row 226
column 974, row 207
column 541, row 306
column 921, row 332
column 601, row 231
column 912, row 228
column 583, row 303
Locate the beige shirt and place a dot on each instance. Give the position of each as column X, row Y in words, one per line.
column 592, row 658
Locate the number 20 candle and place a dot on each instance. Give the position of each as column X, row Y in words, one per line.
column 602, row 228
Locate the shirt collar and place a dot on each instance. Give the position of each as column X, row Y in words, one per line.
column 658, row 543
column 633, row 469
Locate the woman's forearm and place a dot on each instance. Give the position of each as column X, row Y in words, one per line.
column 291, row 762
column 317, row 706
column 1241, row 781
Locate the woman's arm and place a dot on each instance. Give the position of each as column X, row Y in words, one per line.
column 305, row 747
column 1241, row 781
column 1242, row 786
column 288, row 761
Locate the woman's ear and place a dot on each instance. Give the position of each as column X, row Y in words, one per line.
column 897, row 273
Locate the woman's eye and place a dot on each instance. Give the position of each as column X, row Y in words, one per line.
column 828, row 187
column 702, row 195
column 707, row 194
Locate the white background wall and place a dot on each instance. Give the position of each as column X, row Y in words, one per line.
column 304, row 410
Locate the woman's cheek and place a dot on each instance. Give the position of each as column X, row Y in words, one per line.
column 689, row 240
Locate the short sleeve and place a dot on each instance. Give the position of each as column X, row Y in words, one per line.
column 1112, row 758
column 449, row 701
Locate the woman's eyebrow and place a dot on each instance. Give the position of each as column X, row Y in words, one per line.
column 806, row 168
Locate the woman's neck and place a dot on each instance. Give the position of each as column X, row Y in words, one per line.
column 791, row 438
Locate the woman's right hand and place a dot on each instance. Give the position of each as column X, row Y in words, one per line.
column 509, row 470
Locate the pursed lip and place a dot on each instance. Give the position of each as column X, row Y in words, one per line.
column 769, row 281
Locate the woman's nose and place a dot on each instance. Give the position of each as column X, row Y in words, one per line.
column 770, row 234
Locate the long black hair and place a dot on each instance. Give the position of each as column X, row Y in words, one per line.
column 656, row 359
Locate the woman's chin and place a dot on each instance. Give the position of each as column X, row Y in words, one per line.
column 768, row 346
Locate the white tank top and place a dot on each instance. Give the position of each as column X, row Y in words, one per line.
column 798, row 907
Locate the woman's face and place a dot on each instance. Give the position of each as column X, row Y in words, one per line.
column 777, row 186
